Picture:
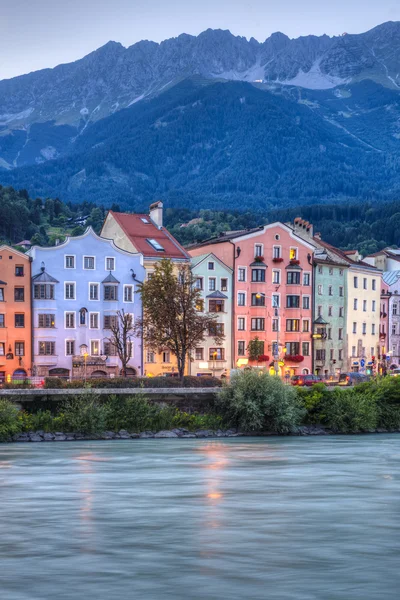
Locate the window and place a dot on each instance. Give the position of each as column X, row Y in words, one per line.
column 199, row 354
column 1, row 294
column 341, row 311
column 320, row 290
column 241, row 348
column 241, row 299
column 47, row 348
column 216, row 354
column 19, row 320
column 341, row 291
column 355, row 282
column 258, row 324
column 330, row 291
column 275, row 324
column 354, row 327
column 70, row 320
column 224, row 284
column 155, row 245
column 306, row 279
column 110, row 292
column 110, row 321
column 211, row 266
column 365, row 283
column 331, row 354
column 353, row 351
column 258, row 274
column 200, row 305
column 88, row 262
column 241, row 274
column 19, row 294
column 374, row 305
column 70, row 347
column 46, row 321
column 320, row 270
column 211, row 284
column 19, row 272
column 93, row 291
column 128, row 293
column 150, row 356
column 330, row 271
column 258, row 250
column 276, row 276
column 330, row 308
column 70, row 291
column 305, row 348
column 364, row 305
column 216, row 306
column 293, row 254
column 319, row 310
column 306, row 325
column 216, row 329
column 110, row 263
column 292, row 348
column 374, row 284
column 292, row 324
column 340, row 271
column 292, row 301
column 2, row 349
column 258, row 299
column 94, row 347
column 276, row 252
column 340, row 333
column 340, row 354
column 43, row 291
column 198, row 283
column 241, row 324
column 394, row 329
column 70, row 262
column 2, row 320
column 275, row 301
column 293, row 277
column 364, row 328
column 94, row 320
column 329, row 332
column 373, row 329
column 320, row 354
column 19, row 348
column 166, row 356
column 355, row 304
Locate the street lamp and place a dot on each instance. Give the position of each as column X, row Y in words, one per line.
column 275, row 345
column 214, row 355
column 85, row 358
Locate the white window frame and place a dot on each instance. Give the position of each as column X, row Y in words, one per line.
column 278, row 294
column 237, row 297
column 245, row 274
column 83, row 262
column 309, row 276
column 309, row 302
column 262, row 249
column 279, row 276
column 65, row 262
column 105, row 263
column 98, row 320
column 67, row 341
column 245, row 323
column 98, row 291
column 296, row 249
column 209, row 262
column 215, row 284
column 227, row 284
column 65, row 289
column 90, row 347
column 302, row 326
column 124, row 287
column 69, row 312
column 273, row 251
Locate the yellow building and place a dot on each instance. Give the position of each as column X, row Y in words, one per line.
column 146, row 234
column 363, row 314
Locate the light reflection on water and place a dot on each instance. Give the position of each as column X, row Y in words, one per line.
column 278, row 518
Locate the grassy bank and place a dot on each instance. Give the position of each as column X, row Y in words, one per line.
column 251, row 402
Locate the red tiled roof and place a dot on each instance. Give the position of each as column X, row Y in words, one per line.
column 139, row 232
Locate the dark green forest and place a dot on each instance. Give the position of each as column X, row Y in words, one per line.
column 367, row 226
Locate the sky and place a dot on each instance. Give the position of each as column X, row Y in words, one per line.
column 37, row 34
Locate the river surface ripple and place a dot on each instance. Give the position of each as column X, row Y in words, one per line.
column 249, row 518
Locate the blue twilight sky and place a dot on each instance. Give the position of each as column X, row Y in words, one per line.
column 35, row 34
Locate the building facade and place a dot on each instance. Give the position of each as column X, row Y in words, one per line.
column 214, row 281
column 146, row 234
column 272, row 295
column 78, row 287
column 15, row 315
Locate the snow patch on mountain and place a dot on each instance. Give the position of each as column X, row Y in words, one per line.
column 314, row 79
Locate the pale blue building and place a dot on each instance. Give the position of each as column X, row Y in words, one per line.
column 77, row 289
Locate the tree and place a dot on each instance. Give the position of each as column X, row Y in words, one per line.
column 172, row 314
column 255, row 349
column 122, row 334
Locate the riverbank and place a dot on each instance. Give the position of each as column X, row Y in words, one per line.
column 123, row 434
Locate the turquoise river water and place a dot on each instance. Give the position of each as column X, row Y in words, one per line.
column 249, row 518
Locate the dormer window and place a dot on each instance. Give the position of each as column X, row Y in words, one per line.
column 156, row 245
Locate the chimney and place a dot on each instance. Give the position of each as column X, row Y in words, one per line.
column 156, row 213
column 317, row 235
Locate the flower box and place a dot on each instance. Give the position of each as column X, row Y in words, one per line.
column 294, row 261
column 279, row 259
column 259, row 259
column 294, row 357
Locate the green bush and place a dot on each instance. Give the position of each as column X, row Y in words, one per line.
column 197, row 421
column 255, row 401
column 9, row 423
column 84, row 413
column 133, row 382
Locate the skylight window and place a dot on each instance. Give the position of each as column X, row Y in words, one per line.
column 156, row 245
column 144, row 220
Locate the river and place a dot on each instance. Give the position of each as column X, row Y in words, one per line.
column 249, row 518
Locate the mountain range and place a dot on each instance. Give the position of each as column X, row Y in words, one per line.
column 211, row 119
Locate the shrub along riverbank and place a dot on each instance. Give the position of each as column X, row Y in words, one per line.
column 251, row 403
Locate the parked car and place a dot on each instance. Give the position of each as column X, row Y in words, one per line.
column 306, row 380
column 353, row 378
column 395, row 373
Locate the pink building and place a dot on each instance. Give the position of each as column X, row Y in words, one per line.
column 272, row 294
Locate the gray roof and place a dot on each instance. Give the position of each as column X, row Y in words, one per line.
column 2, row 282
column 44, row 277
column 110, row 279
column 217, row 294
column 258, row 264
column 320, row 321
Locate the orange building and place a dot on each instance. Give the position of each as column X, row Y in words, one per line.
column 15, row 315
